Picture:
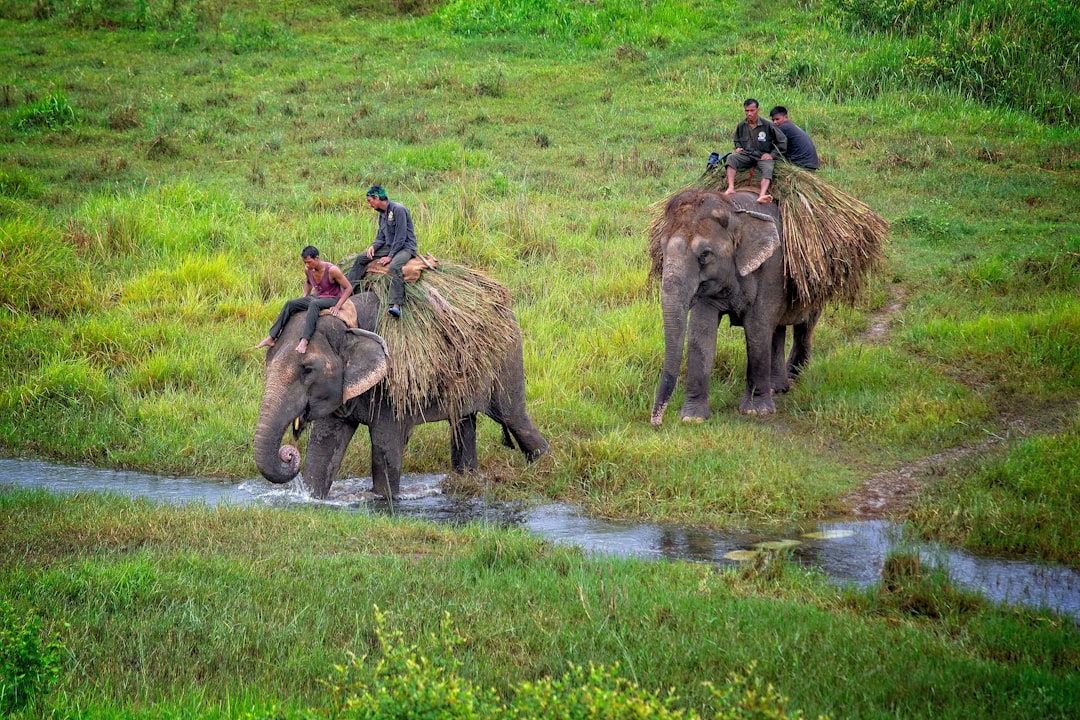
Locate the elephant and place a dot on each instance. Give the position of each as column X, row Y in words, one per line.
column 722, row 256
column 335, row 387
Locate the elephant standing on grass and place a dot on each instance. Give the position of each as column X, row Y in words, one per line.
column 722, row 256
column 337, row 385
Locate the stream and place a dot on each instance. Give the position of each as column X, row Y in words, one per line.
column 846, row 551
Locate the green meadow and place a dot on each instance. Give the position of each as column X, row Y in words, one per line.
column 162, row 164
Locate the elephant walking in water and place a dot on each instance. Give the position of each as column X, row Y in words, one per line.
column 336, row 386
column 722, row 256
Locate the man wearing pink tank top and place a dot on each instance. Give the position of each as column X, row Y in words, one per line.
column 325, row 286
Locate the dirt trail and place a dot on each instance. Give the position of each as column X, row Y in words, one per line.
column 882, row 322
column 891, row 493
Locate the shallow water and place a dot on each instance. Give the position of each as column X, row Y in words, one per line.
column 848, row 552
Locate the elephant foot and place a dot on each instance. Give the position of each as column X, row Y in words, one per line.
column 386, row 489
column 757, row 405
column 318, row 490
column 534, row 455
column 695, row 411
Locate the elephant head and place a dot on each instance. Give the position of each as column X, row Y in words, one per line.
column 339, row 365
column 713, row 250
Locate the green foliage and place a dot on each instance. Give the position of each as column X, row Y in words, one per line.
column 28, row 666
column 19, row 184
column 65, row 382
column 404, row 682
column 590, row 24
column 242, row 611
column 40, row 274
column 1019, row 54
column 52, row 112
column 382, row 7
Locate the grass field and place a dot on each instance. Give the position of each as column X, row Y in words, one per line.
column 162, row 165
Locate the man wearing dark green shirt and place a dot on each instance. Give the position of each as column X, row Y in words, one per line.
column 756, row 139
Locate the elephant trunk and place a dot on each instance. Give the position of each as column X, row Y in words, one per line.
column 675, row 304
column 277, row 464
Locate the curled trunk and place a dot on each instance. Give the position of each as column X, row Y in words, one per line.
column 277, row 463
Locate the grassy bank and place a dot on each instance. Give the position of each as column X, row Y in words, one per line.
column 162, row 169
column 245, row 612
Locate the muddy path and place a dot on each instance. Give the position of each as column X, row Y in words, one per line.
column 891, row 493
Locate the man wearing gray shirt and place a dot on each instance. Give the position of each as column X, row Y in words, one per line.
column 394, row 245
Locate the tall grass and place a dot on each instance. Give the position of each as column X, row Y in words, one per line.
column 1022, row 55
column 1001, row 503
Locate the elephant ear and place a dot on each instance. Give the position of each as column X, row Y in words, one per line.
column 366, row 363
column 758, row 240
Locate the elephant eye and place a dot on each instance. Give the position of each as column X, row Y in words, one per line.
column 705, row 256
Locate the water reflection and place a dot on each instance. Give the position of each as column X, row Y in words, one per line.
column 848, row 552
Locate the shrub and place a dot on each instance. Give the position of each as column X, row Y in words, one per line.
column 402, row 683
column 27, row 667
column 52, row 111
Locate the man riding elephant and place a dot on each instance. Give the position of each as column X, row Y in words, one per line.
column 394, row 245
column 755, row 141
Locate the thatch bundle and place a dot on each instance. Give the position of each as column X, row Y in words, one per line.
column 832, row 242
column 451, row 339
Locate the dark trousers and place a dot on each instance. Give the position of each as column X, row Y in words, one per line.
column 397, row 277
column 309, row 303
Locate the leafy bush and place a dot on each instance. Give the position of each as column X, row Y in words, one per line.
column 27, row 668
column 402, row 683
column 52, row 111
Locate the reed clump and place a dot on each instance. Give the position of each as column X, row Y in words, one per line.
column 451, row 339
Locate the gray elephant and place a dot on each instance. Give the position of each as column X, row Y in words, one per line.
column 721, row 256
column 336, row 386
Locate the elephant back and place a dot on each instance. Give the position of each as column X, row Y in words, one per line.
column 455, row 332
column 831, row 241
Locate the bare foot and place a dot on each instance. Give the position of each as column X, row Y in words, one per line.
column 302, row 347
column 268, row 342
column 765, row 199
column 730, row 191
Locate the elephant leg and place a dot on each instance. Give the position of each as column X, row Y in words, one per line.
column 802, row 342
column 758, row 400
column 463, row 445
column 388, row 438
column 325, row 450
column 779, row 375
column 700, row 357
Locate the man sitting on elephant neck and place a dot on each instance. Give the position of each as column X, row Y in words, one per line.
column 325, row 286
column 394, row 245
column 755, row 140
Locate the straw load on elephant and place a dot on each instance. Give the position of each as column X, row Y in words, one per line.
column 832, row 241
column 451, row 339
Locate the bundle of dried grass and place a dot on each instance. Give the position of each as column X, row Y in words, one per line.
column 832, row 242
column 450, row 340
